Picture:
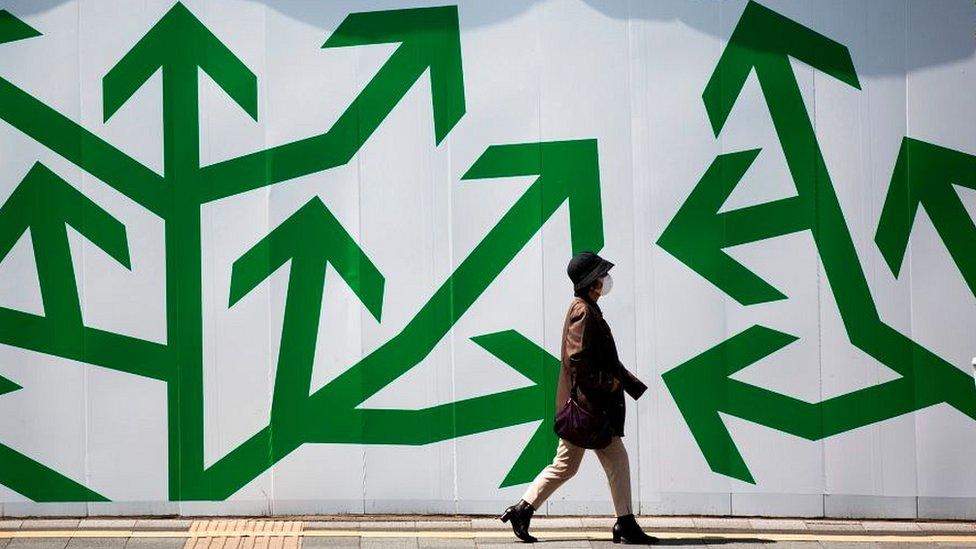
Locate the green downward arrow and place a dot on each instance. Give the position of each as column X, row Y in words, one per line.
column 924, row 175
column 428, row 39
column 311, row 238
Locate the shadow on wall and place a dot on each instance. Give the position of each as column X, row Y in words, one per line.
column 937, row 33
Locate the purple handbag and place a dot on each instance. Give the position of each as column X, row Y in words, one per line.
column 582, row 427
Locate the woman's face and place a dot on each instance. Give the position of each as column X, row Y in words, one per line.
column 596, row 289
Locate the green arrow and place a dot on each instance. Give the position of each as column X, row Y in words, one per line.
column 701, row 389
column 542, row 369
column 39, row 482
column 7, row 386
column 923, row 176
column 428, row 38
column 567, row 171
column 45, row 204
column 698, row 232
column 180, row 46
column 13, row 29
column 764, row 41
column 311, row 238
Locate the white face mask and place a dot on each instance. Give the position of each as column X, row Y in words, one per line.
column 607, row 284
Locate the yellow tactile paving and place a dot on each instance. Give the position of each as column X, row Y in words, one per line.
column 255, row 534
column 236, row 534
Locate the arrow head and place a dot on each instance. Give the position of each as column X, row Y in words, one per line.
column 44, row 198
column 7, row 386
column 532, row 361
column 312, row 234
column 697, row 234
column 762, row 36
column 179, row 41
column 924, row 175
column 567, row 170
column 428, row 37
column 700, row 388
column 13, row 29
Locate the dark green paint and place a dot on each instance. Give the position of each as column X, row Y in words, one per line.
column 923, row 177
column 179, row 45
column 763, row 41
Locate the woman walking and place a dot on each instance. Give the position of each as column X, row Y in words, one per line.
column 593, row 378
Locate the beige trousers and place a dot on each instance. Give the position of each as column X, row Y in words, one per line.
column 567, row 461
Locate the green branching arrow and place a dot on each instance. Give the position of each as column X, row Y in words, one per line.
column 180, row 46
column 428, row 38
column 764, row 41
column 309, row 239
column 923, row 176
column 13, row 29
column 567, row 171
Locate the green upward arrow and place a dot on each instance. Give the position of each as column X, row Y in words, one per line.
column 180, row 46
column 764, row 40
column 45, row 204
column 924, row 175
column 428, row 39
column 310, row 238
column 566, row 171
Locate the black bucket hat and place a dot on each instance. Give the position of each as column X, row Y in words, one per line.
column 585, row 267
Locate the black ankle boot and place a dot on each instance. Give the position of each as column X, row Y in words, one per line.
column 520, row 514
column 627, row 531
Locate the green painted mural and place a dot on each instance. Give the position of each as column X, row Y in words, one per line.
column 764, row 41
column 428, row 42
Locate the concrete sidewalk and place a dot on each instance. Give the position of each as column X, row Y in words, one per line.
column 466, row 531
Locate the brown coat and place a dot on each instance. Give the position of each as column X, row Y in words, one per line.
column 589, row 352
